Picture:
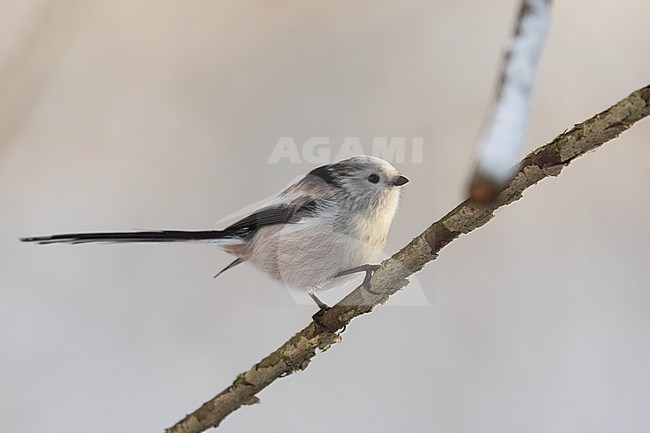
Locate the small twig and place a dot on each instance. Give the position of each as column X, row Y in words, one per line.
column 503, row 137
column 295, row 354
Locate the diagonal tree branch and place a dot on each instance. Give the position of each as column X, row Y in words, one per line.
column 295, row 354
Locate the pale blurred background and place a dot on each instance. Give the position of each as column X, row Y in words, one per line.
column 163, row 114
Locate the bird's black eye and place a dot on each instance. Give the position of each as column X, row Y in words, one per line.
column 373, row 178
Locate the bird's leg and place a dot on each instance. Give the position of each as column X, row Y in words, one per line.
column 323, row 308
column 369, row 270
column 322, row 305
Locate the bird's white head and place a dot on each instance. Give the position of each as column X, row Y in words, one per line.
column 368, row 181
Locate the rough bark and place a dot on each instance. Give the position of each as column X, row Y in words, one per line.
column 296, row 353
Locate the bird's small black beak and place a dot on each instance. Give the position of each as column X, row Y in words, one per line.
column 400, row 180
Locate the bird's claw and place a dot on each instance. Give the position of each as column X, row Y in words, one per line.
column 369, row 270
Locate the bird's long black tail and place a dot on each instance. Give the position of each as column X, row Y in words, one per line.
column 146, row 236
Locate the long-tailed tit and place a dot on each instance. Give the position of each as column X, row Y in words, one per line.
column 331, row 223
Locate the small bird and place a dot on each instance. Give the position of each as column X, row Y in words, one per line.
column 331, row 223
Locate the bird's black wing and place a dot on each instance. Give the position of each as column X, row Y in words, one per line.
column 271, row 215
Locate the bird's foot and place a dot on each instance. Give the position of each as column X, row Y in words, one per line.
column 369, row 270
column 322, row 305
column 322, row 308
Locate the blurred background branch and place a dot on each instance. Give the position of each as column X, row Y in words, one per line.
column 504, row 134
